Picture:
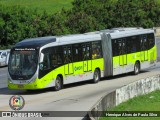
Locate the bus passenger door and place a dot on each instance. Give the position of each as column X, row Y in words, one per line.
column 68, row 67
column 144, row 47
column 122, row 52
column 87, row 62
column 88, row 47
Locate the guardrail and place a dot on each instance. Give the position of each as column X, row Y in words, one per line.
column 124, row 93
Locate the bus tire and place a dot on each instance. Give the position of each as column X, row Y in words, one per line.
column 136, row 68
column 96, row 76
column 58, row 83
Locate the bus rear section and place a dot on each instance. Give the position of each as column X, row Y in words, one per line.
column 133, row 51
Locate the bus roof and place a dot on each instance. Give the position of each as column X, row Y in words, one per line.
column 36, row 42
column 91, row 36
column 72, row 39
column 127, row 33
column 69, row 39
column 86, row 37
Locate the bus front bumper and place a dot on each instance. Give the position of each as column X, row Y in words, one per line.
column 38, row 84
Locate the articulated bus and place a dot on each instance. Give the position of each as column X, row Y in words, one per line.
column 54, row 61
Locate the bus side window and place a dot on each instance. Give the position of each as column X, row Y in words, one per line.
column 65, row 55
column 96, row 50
column 47, row 59
column 86, row 51
column 60, row 55
column 151, row 40
column 56, row 57
column 138, row 43
column 59, row 60
column 83, row 52
column 133, row 44
column 115, row 47
column 69, row 54
column 144, row 42
column 67, row 50
column 77, row 53
column 54, row 60
column 128, row 41
column 120, row 46
column 46, row 62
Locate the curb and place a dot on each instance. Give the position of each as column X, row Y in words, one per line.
column 123, row 94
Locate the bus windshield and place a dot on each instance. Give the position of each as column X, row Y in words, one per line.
column 23, row 64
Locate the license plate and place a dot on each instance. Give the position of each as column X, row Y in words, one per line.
column 20, row 86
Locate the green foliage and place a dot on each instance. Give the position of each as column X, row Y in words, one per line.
column 81, row 22
column 148, row 102
column 18, row 22
column 50, row 6
column 121, row 13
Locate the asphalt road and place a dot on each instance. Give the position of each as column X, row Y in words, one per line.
column 74, row 97
column 3, row 77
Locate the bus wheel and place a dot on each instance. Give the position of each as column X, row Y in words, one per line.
column 96, row 76
column 136, row 68
column 58, row 83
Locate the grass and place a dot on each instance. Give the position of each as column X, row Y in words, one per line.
column 50, row 6
column 149, row 102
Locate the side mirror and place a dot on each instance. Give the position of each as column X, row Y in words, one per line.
column 41, row 66
column 41, row 57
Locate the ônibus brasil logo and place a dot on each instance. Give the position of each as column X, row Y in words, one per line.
column 16, row 102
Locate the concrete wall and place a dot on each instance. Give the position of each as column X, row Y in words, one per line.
column 137, row 88
column 124, row 93
column 103, row 104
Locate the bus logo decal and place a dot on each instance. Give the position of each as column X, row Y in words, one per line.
column 78, row 68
